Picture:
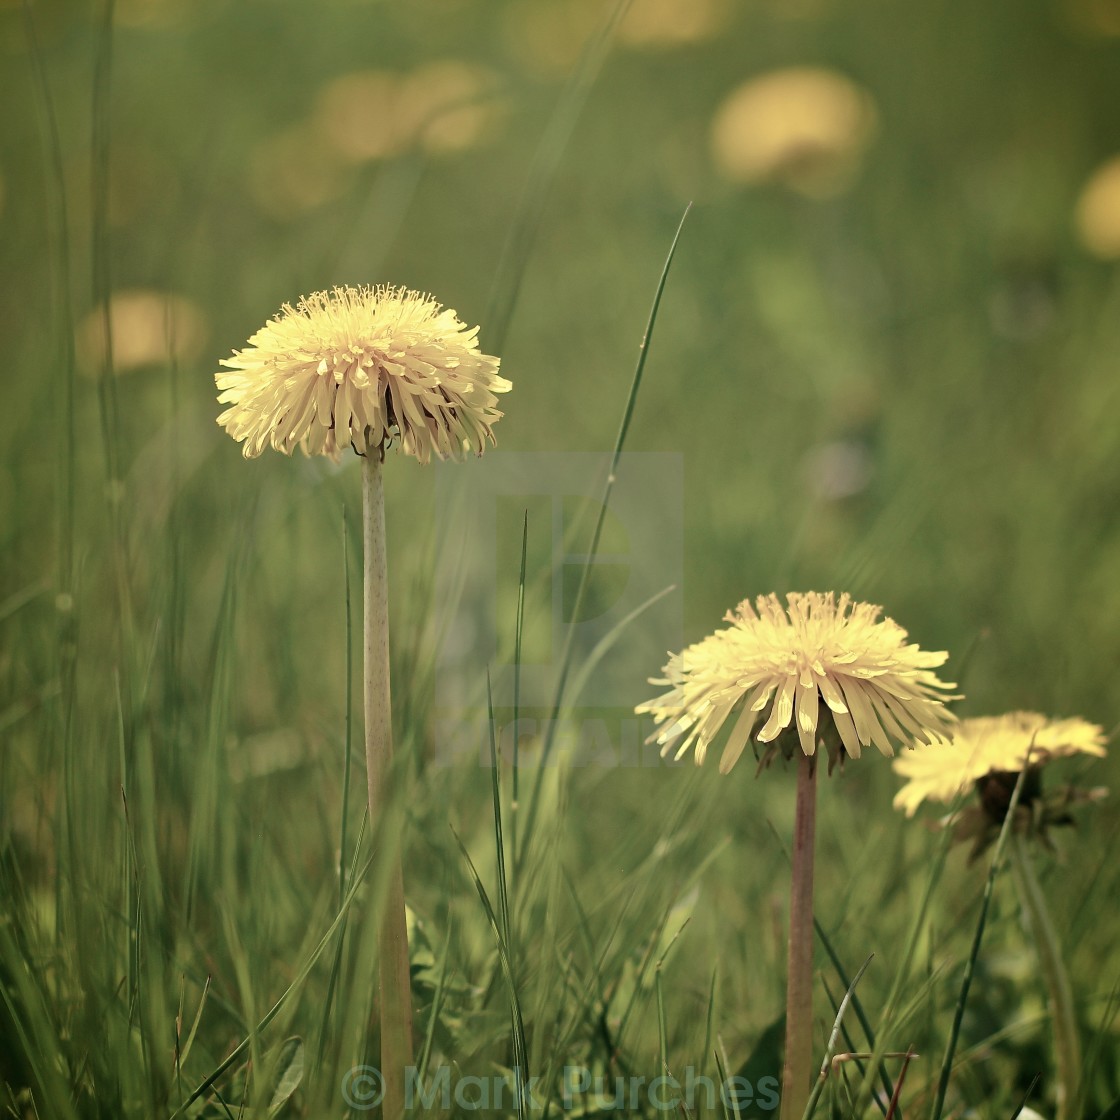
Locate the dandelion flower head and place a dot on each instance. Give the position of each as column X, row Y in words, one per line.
column 358, row 367
column 876, row 687
column 990, row 745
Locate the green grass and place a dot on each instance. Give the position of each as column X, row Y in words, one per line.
column 186, row 886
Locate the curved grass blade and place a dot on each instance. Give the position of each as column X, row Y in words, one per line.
column 520, row 1048
column 970, row 965
column 902, row 973
column 857, row 1007
column 830, row 1049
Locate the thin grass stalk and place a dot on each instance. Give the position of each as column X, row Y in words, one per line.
column 433, row 1015
column 902, row 974
column 709, row 1021
column 394, row 978
column 974, row 954
column 102, row 286
column 348, row 722
column 520, row 1046
column 1067, row 1046
column 65, row 600
column 238, row 1052
column 566, row 653
column 861, row 1015
column 799, row 983
column 519, row 630
column 55, row 179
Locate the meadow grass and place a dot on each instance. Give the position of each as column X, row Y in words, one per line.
column 187, row 925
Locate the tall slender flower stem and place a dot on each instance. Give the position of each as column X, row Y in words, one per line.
column 798, row 1070
column 393, row 967
column 1067, row 1047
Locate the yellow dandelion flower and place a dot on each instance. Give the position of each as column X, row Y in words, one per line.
column 358, row 367
column 989, row 745
column 876, row 688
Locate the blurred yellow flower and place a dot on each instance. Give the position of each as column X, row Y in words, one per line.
column 357, row 115
column 148, row 328
column 670, row 23
column 441, row 107
column 989, row 745
column 293, row 171
column 358, row 367
column 1098, row 211
column 803, row 126
column 875, row 686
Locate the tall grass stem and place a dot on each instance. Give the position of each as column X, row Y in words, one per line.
column 977, row 939
column 1067, row 1046
column 799, row 984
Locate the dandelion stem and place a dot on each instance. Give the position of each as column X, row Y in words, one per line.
column 393, row 966
column 799, row 983
column 1067, row 1048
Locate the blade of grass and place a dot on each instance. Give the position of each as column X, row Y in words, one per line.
column 830, row 1048
column 305, row 969
column 521, row 1049
column 1103, row 1034
column 519, row 630
column 857, row 1007
column 210, row 780
column 185, row 1049
column 499, row 839
column 722, row 1066
column 61, row 281
column 28, row 1013
column 67, row 634
column 1026, row 1096
column 837, row 964
column 433, row 1018
column 902, row 973
column 662, row 1026
column 349, row 720
column 340, row 948
column 970, row 964
column 567, row 651
column 709, row 1020
column 604, row 645
column 1063, row 1014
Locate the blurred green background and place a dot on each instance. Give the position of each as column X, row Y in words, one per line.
column 889, row 361
column 888, row 352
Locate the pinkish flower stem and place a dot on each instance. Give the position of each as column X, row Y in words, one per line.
column 798, row 1072
column 393, row 964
